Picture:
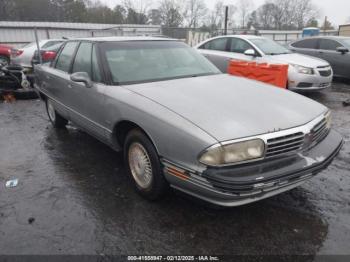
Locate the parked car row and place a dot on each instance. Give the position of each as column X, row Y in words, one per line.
column 24, row 56
column 305, row 73
column 182, row 123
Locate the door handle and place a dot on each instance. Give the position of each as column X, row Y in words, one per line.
column 70, row 86
column 48, row 77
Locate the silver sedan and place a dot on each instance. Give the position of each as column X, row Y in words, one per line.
column 305, row 73
column 183, row 124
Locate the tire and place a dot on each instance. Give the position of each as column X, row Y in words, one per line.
column 56, row 119
column 141, row 158
column 5, row 60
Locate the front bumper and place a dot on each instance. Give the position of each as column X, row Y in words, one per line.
column 303, row 82
column 235, row 186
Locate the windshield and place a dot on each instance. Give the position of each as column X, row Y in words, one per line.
column 269, row 47
column 148, row 61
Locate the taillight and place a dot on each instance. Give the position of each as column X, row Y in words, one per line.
column 16, row 52
column 48, row 55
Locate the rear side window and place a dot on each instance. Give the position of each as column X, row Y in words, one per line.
column 216, row 44
column 307, row 43
column 82, row 62
column 327, row 44
column 66, row 56
column 239, row 45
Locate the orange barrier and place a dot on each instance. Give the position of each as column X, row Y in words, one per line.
column 273, row 74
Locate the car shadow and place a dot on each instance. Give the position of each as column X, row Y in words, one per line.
column 178, row 224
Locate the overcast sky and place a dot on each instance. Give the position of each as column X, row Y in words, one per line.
column 338, row 11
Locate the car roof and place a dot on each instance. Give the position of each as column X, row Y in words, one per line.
column 334, row 37
column 124, row 38
column 246, row 37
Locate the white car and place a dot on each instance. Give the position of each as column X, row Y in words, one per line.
column 23, row 56
column 305, row 73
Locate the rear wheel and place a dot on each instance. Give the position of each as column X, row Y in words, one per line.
column 142, row 162
column 56, row 119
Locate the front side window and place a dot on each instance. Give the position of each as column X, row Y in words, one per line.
column 327, row 44
column 216, row 44
column 307, row 43
column 148, row 61
column 82, row 62
column 239, row 45
column 64, row 60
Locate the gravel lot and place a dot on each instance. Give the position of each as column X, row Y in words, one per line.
column 73, row 197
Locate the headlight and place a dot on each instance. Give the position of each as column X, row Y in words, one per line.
column 328, row 117
column 303, row 69
column 233, row 153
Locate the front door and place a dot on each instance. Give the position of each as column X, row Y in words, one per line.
column 89, row 102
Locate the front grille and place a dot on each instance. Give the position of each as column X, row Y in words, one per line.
column 320, row 131
column 303, row 84
column 325, row 73
column 284, row 144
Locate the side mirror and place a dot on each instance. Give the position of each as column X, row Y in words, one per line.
column 342, row 50
column 250, row 52
column 81, row 77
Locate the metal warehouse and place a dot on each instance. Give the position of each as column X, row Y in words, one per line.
column 20, row 33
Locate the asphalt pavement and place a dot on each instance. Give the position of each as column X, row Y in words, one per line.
column 73, row 197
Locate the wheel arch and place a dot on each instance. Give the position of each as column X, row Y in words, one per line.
column 121, row 130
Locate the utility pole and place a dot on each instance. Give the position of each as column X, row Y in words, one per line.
column 324, row 25
column 226, row 19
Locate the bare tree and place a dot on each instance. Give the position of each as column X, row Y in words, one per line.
column 265, row 16
column 217, row 15
column 194, row 12
column 170, row 13
column 245, row 7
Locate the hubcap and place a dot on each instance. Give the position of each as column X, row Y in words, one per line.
column 51, row 111
column 140, row 165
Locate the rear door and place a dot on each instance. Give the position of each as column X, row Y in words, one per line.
column 56, row 80
column 216, row 51
column 328, row 51
column 88, row 102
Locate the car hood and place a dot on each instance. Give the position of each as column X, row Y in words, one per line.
column 228, row 107
column 298, row 59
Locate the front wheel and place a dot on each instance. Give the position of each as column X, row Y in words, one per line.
column 56, row 119
column 143, row 165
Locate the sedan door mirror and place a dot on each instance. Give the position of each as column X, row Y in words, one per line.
column 81, row 77
column 342, row 49
column 250, row 52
